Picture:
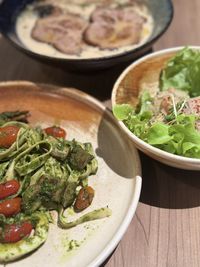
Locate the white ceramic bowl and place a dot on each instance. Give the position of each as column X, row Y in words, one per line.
column 142, row 73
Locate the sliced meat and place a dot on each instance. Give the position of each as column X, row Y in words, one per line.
column 126, row 14
column 114, row 28
column 63, row 32
column 129, row 15
column 69, row 43
column 105, row 15
column 47, row 10
column 163, row 101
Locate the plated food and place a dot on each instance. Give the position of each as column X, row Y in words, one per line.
column 164, row 110
column 17, row 24
column 88, row 123
column 167, row 116
column 41, row 171
column 84, row 29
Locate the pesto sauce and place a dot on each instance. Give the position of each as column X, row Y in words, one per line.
column 73, row 244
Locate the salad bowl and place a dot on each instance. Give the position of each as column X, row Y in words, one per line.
column 145, row 75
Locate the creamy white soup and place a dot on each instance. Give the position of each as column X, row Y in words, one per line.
column 28, row 17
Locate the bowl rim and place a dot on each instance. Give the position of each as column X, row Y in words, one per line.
column 144, row 46
column 137, row 140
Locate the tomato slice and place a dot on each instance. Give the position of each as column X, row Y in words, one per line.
column 8, row 135
column 9, row 188
column 55, row 131
column 10, row 207
column 84, row 198
column 15, row 232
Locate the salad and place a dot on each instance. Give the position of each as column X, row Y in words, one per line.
column 169, row 117
column 40, row 172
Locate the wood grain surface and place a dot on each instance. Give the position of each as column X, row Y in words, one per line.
column 165, row 231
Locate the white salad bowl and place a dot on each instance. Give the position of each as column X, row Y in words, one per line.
column 140, row 75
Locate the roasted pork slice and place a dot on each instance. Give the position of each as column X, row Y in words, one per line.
column 117, row 14
column 164, row 100
column 63, row 32
column 106, row 15
column 45, row 10
column 107, row 36
column 114, row 28
column 69, row 43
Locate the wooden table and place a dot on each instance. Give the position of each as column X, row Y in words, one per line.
column 166, row 228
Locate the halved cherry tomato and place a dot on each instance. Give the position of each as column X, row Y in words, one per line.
column 15, row 232
column 8, row 135
column 84, row 198
column 56, row 131
column 9, row 188
column 10, row 207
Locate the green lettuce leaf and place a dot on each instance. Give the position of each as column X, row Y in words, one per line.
column 121, row 112
column 137, row 120
column 180, row 138
column 145, row 105
column 158, row 134
column 182, row 72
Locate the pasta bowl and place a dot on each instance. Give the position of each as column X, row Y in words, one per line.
column 117, row 183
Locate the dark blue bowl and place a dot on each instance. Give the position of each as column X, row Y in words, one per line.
column 161, row 10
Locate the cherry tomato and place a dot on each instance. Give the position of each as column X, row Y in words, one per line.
column 56, row 131
column 10, row 207
column 15, row 232
column 8, row 135
column 9, row 188
column 84, row 198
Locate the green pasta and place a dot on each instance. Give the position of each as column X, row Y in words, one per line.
column 50, row 171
